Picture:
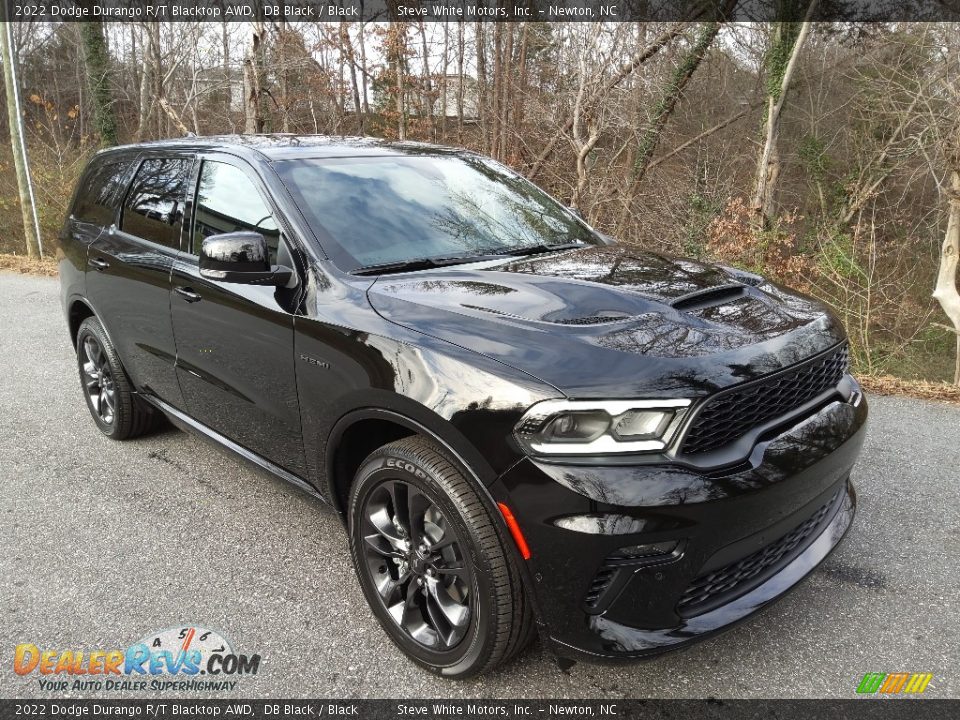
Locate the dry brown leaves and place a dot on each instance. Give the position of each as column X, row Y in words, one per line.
column 890, row 385
column 28, row 266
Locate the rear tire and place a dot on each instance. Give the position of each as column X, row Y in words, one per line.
column 415, row 517
column 117, row 411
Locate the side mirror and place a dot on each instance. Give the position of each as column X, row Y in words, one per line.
column 240, row 257
column 576, row 211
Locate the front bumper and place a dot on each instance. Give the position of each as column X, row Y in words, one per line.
column 742, row 536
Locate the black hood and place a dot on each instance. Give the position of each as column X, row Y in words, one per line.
column 613, row 322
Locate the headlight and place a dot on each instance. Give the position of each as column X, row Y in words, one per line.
column 599, row 427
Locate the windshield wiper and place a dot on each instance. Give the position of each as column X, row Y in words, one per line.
column 436, row 262
column 539, row 248
column 420, row 264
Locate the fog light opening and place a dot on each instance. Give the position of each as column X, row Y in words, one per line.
column 645, row 551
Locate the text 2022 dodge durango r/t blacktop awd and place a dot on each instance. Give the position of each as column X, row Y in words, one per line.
column 525, row 427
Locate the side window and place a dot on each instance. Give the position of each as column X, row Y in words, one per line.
column 99, row 194
column 154, row 206
column 228, row 201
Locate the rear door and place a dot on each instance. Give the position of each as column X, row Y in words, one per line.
column 96, row 207
column 235, row 341
column 128, row 281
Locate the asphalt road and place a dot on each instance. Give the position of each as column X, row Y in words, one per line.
column 104, row 542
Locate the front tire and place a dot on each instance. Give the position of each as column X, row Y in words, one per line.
column 431, row 563
column 117, row 411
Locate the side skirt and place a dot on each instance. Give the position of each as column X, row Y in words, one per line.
column 189, row 424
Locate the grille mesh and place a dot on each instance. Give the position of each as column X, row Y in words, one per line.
column 730, row 415
column 727, row 583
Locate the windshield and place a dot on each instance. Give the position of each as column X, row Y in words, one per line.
column 382, row 210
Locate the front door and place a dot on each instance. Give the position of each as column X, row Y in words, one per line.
column 234, row 341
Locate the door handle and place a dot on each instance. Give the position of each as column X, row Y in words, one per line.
column 99, row 263
column 188, row 294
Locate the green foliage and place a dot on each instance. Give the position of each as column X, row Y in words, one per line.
column 702, row 209
column 812, row 153
column 837, row 256
column 782, row 40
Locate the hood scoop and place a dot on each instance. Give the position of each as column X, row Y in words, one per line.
column 709, row 297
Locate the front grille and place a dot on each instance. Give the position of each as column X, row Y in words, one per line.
column 721, row 586
column 733, row 413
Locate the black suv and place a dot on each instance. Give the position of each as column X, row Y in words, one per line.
column 525, row 427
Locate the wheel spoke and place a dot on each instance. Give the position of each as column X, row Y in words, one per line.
column 446, row 617
column 90, row 350
column 417, row 505
column 458, row 571
column 108, row 401
column 383, row 523
column 381, row 545
column 453, row 612
column 91, row 371
column 445, row 541
column 398, row 492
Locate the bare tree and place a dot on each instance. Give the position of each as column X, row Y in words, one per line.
column 18, row 144
column 946, row 292
column 787, row 42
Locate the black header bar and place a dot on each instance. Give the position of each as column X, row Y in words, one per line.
column 479, row 10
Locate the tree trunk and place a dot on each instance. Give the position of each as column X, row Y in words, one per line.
column 507, row 69
column 144, row 105
column 520, row 93
column 253, row 83
column 281, row 46
column 363, row 67
column 498, row 63
column 98, row 69
column 156, row 73
column 688, row 66
column 227, row 75
column 480, row 33
column 946, row 292
column 426, row 84
column 461, row 80
column 444, row 71
column 17, row 142
column 768, row 167
column 397, row 48
column 354, row 84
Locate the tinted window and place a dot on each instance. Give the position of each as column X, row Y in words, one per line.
column 154, row 206
column 389, row 209
column 228, row 201
column 99, row 194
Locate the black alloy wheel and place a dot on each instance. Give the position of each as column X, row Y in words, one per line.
column 114, row 406
column 98, row 380
column 416, row 559
column 438, row 573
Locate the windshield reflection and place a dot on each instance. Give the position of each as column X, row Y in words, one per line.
column 402, row 208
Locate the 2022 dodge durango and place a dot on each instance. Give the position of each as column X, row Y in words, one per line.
column 525, row 427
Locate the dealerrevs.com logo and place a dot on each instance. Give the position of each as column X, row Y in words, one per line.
column 183, row 658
